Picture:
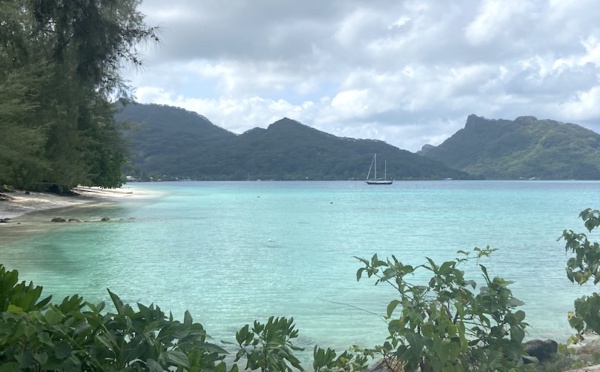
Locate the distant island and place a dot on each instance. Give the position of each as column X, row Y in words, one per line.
column 172, row 143
column 169, row 143
column 525, row 148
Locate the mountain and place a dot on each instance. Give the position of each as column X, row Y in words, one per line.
column 523, row 148
column 169, row 142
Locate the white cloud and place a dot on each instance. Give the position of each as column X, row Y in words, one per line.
column 495, row 19
column 583, row 106
column 352, row 103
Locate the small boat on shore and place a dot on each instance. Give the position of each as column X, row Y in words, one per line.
column 375, row 180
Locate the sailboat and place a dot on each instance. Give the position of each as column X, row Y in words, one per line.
column 375, row 180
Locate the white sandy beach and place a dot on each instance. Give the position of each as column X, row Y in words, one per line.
column 21, row 203
column 26, row 213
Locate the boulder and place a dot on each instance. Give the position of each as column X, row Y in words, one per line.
column 105, row 219
column 74, row 220
column 58, row 219
column 542, row 350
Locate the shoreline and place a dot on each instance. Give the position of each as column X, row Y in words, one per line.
column 21, row 203
column 25, row 213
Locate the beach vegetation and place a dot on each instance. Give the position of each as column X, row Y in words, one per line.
column 444, row 324
column 75, row 335
column 60, row 64
column 448, row 323
column 583, row 266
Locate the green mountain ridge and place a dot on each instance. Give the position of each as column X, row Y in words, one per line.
column 523, row 148
column 169, row 142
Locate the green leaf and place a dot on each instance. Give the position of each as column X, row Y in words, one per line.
column 41, row 358
column 391, row 307
column 187, row 318
column 179, row 358
column 513, row 302
column 53, row 316
column 241, row 335
column 153, row 366
column 519, row 316
column 44, row 338
column 105, row 340
column 25, row 359
column 43, row 302
column 14, row 309
column 221, row 367
column 359, row 273
column 116, row 301
column 62, row 350
column 517, row 333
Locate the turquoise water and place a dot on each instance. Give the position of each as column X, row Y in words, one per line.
column 233, row 252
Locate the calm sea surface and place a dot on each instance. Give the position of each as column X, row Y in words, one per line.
column 235, row 252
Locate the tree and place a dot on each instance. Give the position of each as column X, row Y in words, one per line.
column 23, row 136
column 65, row 107
column 23, row 79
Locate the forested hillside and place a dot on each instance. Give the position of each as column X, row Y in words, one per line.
column 521, row 149
column 170, row 143
column 59, row 71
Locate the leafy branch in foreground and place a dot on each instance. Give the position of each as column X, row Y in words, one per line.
column 441, row 325
column 269, row 346
column 583, row 266
column 444, row 325
column 76, row 335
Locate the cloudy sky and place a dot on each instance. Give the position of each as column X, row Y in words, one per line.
column 402, row 71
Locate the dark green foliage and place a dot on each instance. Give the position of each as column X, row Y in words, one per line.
column 19, row 296
column 60, row 65
column 523, row 148
column 169, row 142
column 444, row 325
column 76, row 335
column 583, row 266
column 269, row 346
column 92, row 37
column 351, row 360
column 22, row 153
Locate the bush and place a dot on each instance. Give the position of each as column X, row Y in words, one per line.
column 584, row 265
column 444, row 325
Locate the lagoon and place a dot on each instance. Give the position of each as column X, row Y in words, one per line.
column 235, row 252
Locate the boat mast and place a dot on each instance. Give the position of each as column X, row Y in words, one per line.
column 370, row 167
column 375, row 157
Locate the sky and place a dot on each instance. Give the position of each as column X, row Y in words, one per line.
column 401, row 71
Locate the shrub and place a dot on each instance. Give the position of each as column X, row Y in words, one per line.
column 584, row 265
column 444, row 325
